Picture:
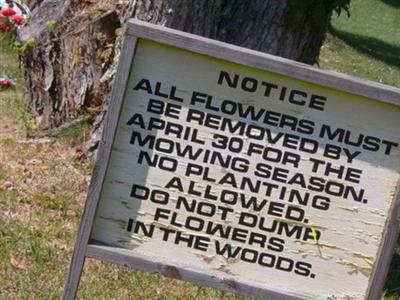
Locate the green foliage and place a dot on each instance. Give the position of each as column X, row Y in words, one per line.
column 319, row 11
column 27, row 45
column 72, row 134
column 317, row 6
column 366, row 47
column 10, row 44
column 95, row 15
column 12, row 104
column 51, row 24
column 340, row 5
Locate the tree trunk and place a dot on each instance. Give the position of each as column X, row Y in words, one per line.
column 73, row 46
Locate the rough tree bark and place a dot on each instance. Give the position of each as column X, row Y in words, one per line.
column 73, row 46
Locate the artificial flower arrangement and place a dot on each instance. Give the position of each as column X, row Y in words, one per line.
column 12, row 15
column 6, row 82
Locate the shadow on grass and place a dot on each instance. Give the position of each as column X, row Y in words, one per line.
column 371, row 46
column 393, row 3
column 392, row 285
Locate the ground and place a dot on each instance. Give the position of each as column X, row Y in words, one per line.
column 367, row 44
column 43, row 180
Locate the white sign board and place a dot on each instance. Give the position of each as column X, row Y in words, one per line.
column 270, row 179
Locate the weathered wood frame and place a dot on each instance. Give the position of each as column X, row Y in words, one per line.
column 141, row 30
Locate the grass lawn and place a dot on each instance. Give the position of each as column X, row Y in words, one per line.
column 43, row 182
column 367, row 44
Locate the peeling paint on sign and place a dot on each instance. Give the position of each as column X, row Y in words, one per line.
column 221, row 167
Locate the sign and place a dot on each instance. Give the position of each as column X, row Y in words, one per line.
column 243, row 171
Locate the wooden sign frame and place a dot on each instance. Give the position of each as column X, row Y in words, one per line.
column 140, row 30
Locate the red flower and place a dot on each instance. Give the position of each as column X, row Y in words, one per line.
column 6, row 83
column 8, row 12
column 6, row 27
column 19, row 20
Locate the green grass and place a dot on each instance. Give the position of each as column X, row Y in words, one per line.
column 12, row 104
column 73, row 134
column 367, row 44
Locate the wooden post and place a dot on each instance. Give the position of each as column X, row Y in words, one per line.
column 100, row 169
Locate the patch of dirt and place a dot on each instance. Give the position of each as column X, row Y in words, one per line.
column 37, row 174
